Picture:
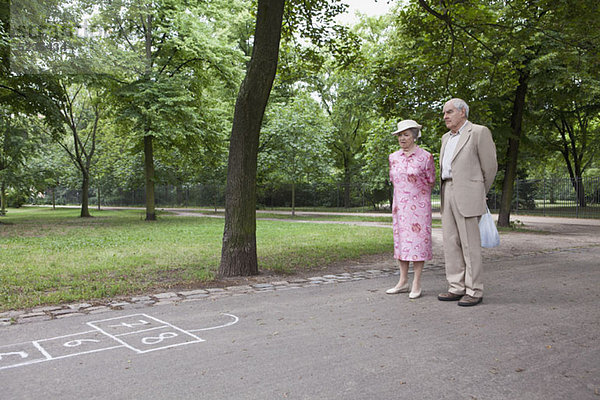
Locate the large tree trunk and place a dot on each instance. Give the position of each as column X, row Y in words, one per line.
column 569, row 149
column 3, row 204
column 149, row 172
column 510, row 172
column 580, row 191
column 85, row 196
column 575, row 178
column 238, row 255
column 148, row 146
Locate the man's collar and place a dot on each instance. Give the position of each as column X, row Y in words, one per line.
column 460, row 129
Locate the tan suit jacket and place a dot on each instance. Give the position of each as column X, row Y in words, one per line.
column 473, row 167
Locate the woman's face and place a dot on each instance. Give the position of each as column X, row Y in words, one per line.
column 406, row 139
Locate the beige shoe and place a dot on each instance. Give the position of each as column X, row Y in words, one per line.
column 398, row 289
column 414, row 295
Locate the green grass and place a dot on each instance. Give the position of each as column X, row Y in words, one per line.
column 53, row 256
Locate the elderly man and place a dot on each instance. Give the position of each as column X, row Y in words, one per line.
column 468, row 166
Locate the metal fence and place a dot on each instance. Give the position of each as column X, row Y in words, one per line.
column 547, row 197
column 554, row 197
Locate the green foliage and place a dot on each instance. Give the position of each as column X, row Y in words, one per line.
column 366, row 77
column 178, row 73
column 18, row 142
column 294, row 142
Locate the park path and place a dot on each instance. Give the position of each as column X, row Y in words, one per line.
column 334, row 335
column 535, row 336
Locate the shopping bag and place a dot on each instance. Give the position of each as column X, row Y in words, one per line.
column 488, row 231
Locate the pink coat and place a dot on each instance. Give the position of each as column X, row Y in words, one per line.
column 413, row 178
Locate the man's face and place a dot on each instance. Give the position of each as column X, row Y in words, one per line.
column 453, row 117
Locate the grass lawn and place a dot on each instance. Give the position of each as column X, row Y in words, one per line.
column 53, row 256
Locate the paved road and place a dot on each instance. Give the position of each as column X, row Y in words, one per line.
column 535, row 336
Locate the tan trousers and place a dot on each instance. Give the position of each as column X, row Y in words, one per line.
column 462, row 248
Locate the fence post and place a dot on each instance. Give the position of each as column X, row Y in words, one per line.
column 517, row 205
column 577, row 191
column 544, row 190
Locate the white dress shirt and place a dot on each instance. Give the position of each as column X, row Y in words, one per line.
column 449, row 153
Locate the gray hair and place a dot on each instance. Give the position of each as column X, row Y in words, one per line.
column 460, row 104
column 415, row 132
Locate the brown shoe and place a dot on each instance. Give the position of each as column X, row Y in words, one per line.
column 468, row 301
column 449, row 296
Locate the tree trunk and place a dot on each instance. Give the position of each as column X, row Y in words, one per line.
column 577, row 183
column 149, row 172
column 85, row 196
column 510, row 172
column 3, row 199
column 148, row 147
column 238, row 254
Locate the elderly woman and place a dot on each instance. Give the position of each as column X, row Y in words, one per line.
column 412, row 173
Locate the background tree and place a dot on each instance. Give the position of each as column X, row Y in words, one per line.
column 294, row 144
column 16, row 146
column 162, row 56
column 566, row 104
column 497, row 46
column 349, row 107
column 238, row 255
column 81, row 112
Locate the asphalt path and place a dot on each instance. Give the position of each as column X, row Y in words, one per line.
column 535, row 336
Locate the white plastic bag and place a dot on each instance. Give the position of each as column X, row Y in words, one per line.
column 488, row 231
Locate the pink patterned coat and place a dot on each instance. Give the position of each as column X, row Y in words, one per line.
column 413, row 177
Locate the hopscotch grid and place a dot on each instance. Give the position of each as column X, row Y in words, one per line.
column 169, row 346
column 140, row 331
column 149, row 317
column 119, row 340
column 85, row 352
column 41, row 349
column 40, row 360
column 91, row 323
column 139, row 351
column 97, row 329
column 176, row 328
column 16, row 344
column 50, row 358
column 235, row 321
column 66, row 336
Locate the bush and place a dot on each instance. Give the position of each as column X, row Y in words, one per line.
column 16, row 199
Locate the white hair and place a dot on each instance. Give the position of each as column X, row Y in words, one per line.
column 415, row 132
column 460, row 104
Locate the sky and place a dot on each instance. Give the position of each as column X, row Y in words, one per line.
column 368, row 7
